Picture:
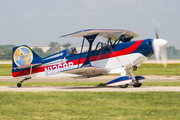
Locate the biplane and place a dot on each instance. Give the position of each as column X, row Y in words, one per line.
column 119, row 53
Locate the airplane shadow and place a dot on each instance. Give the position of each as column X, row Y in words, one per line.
column 96, row 87
column 88, row 87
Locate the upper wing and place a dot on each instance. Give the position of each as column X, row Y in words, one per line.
column 88, row 71
column 106, row 33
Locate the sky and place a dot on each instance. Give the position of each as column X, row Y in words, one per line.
column 39, row 22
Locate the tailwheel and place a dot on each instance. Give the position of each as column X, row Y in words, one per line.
column 26, row 78
column 124, row 86
column 137, row 84
column 18, row 84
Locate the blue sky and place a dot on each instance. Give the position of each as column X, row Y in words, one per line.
column 38, row 22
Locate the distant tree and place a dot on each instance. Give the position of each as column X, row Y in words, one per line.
column 178, row 53
column 6, row 51
column 39, row 51
column 66, row 45
column 54, row 47
column 172, row 52
column 1, row 54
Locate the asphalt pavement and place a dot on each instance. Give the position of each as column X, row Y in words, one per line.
column 91, row 89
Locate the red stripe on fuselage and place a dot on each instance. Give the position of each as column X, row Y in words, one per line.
column 82, row 60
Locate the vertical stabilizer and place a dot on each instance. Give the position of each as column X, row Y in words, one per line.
column 23, row 56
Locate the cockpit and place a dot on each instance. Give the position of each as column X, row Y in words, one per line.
column 110, row 40
column 114, row 41
column 120, row 39
column 72, row 50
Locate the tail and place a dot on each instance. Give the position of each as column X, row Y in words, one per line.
column 24, row 57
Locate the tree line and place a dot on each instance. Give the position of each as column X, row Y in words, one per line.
column 6, row 50
column 172, row 53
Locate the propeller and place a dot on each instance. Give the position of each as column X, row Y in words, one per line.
column 156, row 32
column 159, row 45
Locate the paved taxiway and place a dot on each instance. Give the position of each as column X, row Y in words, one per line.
column 90, row 88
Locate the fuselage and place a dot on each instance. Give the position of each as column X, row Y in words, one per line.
column 113, row 56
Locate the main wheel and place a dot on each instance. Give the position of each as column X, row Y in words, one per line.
column 124, row 86
column 137, row 84
column 19, row 85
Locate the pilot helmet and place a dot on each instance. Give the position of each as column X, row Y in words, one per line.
column 71, row 50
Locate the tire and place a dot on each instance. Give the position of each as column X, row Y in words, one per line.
column 124, row 86
column 137, row 84
column 19, row 85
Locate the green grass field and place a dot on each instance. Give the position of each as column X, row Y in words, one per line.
column 158, row 69
column 5, row 70
column 92, row 105
column 89, row 106
column 144, row 69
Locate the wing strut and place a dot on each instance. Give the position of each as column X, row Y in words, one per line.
column 90, row 39
column 81, row 51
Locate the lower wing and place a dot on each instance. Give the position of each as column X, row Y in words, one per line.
column 88, row 71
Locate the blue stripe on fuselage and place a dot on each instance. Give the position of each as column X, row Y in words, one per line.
column 145, row 49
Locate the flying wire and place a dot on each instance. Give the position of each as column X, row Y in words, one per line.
column 111, row 49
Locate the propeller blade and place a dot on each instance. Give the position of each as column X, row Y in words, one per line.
column 156, row 52
column 156, row 32
column 156, row 26
column 158, row 45
column 163, row 54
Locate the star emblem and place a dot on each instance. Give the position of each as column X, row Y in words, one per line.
column 64, row 60
column 60, row 54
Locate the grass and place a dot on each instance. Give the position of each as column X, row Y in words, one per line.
column 5, row 60
column 158, row 69
column 89, row 105
column 161, row 83
column 146, row 83
column 5, row 69
column 92, row 105
column 144, row 69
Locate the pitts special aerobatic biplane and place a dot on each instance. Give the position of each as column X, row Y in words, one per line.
column 119, row 54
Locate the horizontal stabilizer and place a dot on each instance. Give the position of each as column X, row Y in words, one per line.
column 88, row 71
column 27, row 66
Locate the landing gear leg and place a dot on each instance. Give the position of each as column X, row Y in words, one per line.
column 135, row 79
column 26, row 78
column 19, row 84
column 129, row 71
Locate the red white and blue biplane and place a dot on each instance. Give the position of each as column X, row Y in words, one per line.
column 119, row 54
